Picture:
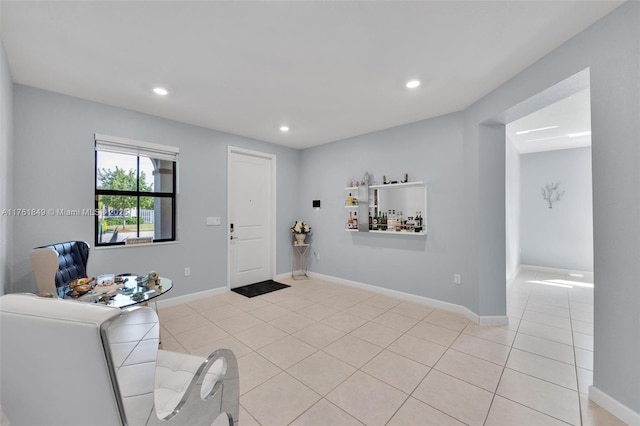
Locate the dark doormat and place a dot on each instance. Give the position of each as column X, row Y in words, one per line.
column 257, row 289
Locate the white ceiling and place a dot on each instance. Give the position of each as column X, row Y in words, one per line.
column 328, row 69
column 569, row 118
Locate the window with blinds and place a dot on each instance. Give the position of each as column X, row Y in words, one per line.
column 135, row 190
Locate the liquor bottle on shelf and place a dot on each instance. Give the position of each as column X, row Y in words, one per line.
column 399, row 221
column 384, row 221
column 370, row 222
column 350, row 222
column 418, row 219
column 350, row 200
column 379, row 222
column 355, row 220
column 411, row 224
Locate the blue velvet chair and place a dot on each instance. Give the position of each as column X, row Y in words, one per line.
column 73, row 257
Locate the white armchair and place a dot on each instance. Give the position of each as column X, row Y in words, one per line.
column 44, row 264
column 72, row 363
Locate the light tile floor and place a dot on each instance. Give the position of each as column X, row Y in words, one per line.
column 320, row 353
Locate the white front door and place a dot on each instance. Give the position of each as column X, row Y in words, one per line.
column 250, row 200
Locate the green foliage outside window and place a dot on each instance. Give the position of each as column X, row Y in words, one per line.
column 121, row 180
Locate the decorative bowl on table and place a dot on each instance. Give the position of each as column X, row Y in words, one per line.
column 106, row 279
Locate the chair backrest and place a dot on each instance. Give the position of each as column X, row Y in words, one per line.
column 73, row 257
column 44, row 264
column 72, row 363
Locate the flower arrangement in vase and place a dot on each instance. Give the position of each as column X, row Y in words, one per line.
column 300, row 231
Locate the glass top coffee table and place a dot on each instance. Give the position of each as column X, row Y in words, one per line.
column 128, row 290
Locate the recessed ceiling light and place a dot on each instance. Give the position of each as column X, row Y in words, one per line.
column 524, row 132
column 160, row 91
column 412, row 84
column 284, row 129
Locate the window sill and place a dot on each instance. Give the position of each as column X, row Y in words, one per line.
column 164, row 243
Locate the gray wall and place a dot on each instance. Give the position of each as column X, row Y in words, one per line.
column 560, row 237
column 430, row 151
column 54, row 168
column 6, row 171
column 615, row 100
column 610, row 49
column 512, row 209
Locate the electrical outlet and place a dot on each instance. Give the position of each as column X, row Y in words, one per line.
column 187, row 271
column 457, row 279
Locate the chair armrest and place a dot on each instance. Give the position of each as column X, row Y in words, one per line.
column 213, row 389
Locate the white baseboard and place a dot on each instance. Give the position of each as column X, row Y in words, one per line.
column 613, row 406
column 282, row 276
column 172, row 301
column 432, row 303
column 513, row 276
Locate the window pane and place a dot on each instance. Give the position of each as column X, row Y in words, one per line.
column 156, row 175
column 117, row 218
column 162, row 218
column 139, row 213
column 116, row 171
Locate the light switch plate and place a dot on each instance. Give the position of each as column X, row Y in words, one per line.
column 213, row 221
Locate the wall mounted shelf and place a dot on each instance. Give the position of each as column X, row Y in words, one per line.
column 406, row 197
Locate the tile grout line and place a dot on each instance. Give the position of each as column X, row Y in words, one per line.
column 385, row 310
column 504, row 367
column 575, row 360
